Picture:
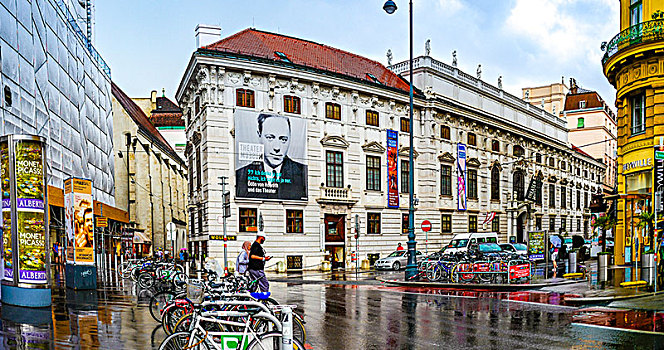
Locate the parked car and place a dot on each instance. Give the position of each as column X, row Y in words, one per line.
column 516, row 248
column 396, row 260
column 461, row 241
column 490, row 250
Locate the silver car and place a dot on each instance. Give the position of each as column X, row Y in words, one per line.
column 396, row 260
column 517, row 248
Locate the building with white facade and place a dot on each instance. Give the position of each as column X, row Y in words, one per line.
column 340, row 108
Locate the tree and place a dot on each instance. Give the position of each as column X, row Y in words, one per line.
column 604, row 222
column 646, row 220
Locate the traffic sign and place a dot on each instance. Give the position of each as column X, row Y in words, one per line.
column 426, row 226
column 170, row 231
column 659, row 154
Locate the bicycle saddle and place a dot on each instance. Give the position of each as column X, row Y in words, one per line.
column 215, row 285
column 261, row 295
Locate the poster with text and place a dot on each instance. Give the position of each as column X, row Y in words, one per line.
column 392, row 169
column 536, row 245
column 6, row 214
column 461, row 177
column 80, row 221
column 30, row 226
column 270, row 156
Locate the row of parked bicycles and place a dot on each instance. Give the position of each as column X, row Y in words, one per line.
column 474, row 266
column 216, row 313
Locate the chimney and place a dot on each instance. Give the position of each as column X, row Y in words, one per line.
column 153, row 96
column 207, row 34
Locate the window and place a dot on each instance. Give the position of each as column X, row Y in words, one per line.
column 580, row 123
column 244, row 98
column 538, row 192
column 445, row 132
column 518, row 182
column 635, row 12
column 405, row 124
column 552, row 224
column 495, row 224
column 563, row 224
column 638, row 114
column 582, row 104
column 578, row 200
column 282, row 56
column 538, row 223
column 373, row 173
column 445, row 180
column 585, row 174
column 472, row 184
column 333, row 111
column 292, row 104
column 563, row 197
column 472, row 223
column 405, row 175
column 563, row 165
column 199, row 168
column 200, row 221
column 495, row 146
column 446, row 223
column 197, row 105
column 248, row 219
column 552, row 196
column 335, row 169
column 373, row 223
column 404, row 224
column 578, row 224
column 585, row 199
column 518, row 151
column 552, row 161
column 538, row 158
column 294, row 221
column 372, row 118
column 495, row 184
column 472, row 139
column 578, row 171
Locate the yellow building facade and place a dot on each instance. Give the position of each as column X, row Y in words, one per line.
column 634, row 65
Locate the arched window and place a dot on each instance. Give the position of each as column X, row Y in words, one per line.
column 495, row 183
column 518, row 183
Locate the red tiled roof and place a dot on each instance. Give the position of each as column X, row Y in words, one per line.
column 593, row 100
column 165, row 105
column 142, row 120
column 166, row 119
column 256, row 43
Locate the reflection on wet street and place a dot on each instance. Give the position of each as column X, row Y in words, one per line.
column 346, row 316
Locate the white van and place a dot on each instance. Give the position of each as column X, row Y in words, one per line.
column 461, row 241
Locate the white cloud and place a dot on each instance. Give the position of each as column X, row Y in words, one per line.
column 450, row 6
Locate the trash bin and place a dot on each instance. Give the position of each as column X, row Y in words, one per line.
column 572, row 261
column 648, row 268
column 603, row 266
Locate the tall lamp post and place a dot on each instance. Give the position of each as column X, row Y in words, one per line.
column 411, row 268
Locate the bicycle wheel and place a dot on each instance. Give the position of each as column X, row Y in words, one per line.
column 145, row 280
column 172, row 315
column 271, row 341
column 180, row 340
column 158, row 302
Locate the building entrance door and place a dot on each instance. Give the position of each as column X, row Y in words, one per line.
column 334, row 240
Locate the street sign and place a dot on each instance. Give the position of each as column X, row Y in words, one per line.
column 226, row 199
column 102, row 221
column 659, row 154
column 221, row 238
column 170, row 231
column 426, row 226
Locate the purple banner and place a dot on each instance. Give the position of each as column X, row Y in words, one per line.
column 30, row 203
column 33, row 276
column 392, row 175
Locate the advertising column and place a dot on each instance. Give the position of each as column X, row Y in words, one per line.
column 26, row 279
column 80, row 271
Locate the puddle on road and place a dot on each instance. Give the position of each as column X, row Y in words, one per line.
column 648, row 321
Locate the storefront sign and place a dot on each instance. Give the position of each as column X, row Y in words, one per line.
column 658, row 182
column 640, row 163
column 392, row 175
column 221, row 238
column 271, row 156
column 79, row 221
column 536, row 245
column 461, row 177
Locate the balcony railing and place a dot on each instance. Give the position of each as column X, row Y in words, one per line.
column 641, row 33
column 341, row 195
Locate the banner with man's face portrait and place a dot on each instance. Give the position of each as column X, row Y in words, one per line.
column 79, row 221
column 270, row 156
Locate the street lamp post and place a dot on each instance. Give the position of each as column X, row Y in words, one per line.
column 411, row 268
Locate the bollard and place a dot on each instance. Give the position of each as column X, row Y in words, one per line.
column 365, row 264
column 648, row 268
column 325, row 266
column 603, row 267
column 281, row 267
column 572, row 262
column 287, row 329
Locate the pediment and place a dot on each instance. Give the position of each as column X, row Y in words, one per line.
column 552, row 178
column 563, row 182
column 334, row 141
column 403, row 152
column 373, row 146
column 496, row 164
column 473, row 162
column 446, row 157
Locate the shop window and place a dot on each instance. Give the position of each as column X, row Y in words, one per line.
column 292, row 104
column 373, row 223
column 446, row 223
column 248, row 219
column 244, row 98
column 294, row 222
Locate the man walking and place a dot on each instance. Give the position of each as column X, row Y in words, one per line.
column 257, row 261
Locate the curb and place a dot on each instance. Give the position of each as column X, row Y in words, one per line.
column 478, row 286
column 608, row 299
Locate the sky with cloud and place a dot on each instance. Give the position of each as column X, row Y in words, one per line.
column 148, row 43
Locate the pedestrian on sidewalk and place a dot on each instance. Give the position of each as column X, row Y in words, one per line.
column 242, row 261
column 257, row 259
column 399, row 247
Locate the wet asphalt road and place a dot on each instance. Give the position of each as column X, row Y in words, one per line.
column 347, row 316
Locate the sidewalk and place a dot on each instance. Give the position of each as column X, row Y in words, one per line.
column 397, row 279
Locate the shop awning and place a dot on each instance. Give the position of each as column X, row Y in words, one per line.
column 141, row 238
column 627, row 196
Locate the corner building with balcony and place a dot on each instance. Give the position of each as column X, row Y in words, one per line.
column 634, row 64
column 340, row 107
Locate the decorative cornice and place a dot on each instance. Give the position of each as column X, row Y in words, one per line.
column 335, row 141
column 403, row 152
column 446, row 157
column 474, row 162
column 373, row 146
